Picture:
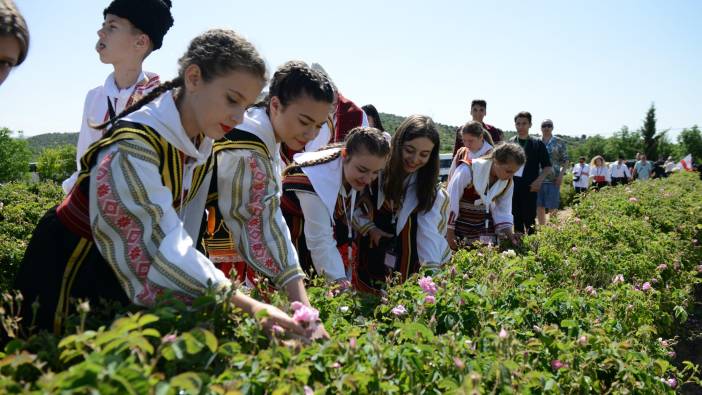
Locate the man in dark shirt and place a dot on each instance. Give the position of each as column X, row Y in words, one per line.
column 478, row 109
column 536, row 168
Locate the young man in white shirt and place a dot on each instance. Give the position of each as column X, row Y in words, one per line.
column 618, row 172
column 581, row 175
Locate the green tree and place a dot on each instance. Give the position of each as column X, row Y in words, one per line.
column 690, row 141
column 57, row 163
column 591, row 147
column 14, row 156
column 649, row 134
column 623, row 142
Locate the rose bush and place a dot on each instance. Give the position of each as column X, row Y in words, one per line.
column 590, row 304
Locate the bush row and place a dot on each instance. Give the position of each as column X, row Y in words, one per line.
column 591, row 303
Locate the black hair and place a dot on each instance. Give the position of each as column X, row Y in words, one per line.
column 371, row 112
column 294, row 79
column 523, row 114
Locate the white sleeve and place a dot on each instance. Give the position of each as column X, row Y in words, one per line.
column 249, row 201
column 139, row 233
column 627, row 172
column 432, row 247
column 608, row 176
column 502, row 210
column 319, row 235
column 364, row 120
column 461, row 178
column 86, row 136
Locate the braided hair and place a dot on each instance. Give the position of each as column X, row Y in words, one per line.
column 294, row 79
column 216, row 52
column 414, row 126
column 508, row 152
column 474, row 128
column 360, row 138
column 12, row 24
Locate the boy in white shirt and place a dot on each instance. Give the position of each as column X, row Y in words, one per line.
column 131, row 30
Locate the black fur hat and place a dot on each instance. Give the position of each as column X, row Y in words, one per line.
column 153, row 17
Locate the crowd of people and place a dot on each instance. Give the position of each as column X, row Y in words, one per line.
column 196, row 183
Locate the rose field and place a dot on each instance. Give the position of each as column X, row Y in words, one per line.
column 601, row 300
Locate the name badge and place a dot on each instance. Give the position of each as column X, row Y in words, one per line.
column 390, row 260
column 488, row 239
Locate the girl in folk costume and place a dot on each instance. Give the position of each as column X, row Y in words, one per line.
column 477, row 142
column 480, row 192
column 407, row 209
column 246, row 229
column 599, row 173
column 130, row 32
column 125, row 232
column 320, row 197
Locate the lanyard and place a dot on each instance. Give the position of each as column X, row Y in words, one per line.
column 349, row 218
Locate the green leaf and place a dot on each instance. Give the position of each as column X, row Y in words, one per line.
column 569, row 324
column 413, row 330
column 189, row 382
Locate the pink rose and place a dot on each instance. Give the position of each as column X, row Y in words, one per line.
column 557, row 364
column 309, row 391
column 459, row 364
column 171, row 338
column 582, row 340
column 672, row 382
column 352, row 343
column 429, row 299
column 399, row 310
column 662, row 267
column 633, row 199
column 503, row 334
column 618, row 279
column 646, row 286
column 304, row 315
column 428, row 285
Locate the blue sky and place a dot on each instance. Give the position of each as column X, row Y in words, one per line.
column 591, row 66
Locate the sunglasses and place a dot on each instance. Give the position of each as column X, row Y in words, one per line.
column 547, row 126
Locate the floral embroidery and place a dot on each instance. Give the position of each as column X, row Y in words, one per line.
column 254, row 224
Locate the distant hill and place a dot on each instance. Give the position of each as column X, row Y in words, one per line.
column 447, row 133
column 391, row 122
column 50, row 140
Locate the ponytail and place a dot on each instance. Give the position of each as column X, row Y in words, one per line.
column 148, row 98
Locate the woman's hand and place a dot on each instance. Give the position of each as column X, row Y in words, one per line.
column 375, row 235
column 276, row 317
column 451, row 239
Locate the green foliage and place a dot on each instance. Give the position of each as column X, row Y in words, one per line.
column 50, row 140
column 447, row 133
column 553, row 317
column 58, row 163
column 691, row 143
column 22, row 206
column 14, row 156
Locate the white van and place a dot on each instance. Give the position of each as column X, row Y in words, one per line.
column 444, row 166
